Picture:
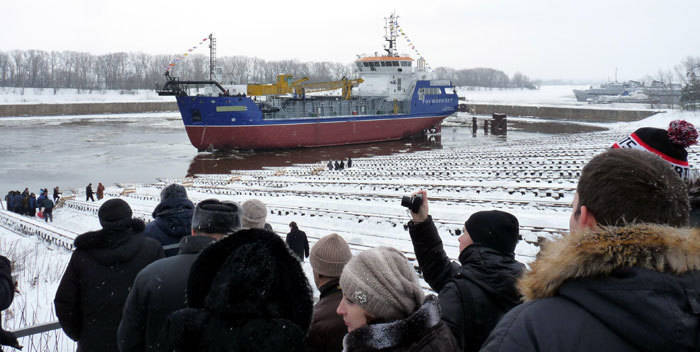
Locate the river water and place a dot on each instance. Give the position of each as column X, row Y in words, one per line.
column 72, row 151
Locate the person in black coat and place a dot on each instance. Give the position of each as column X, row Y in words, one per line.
column 88, row 193
column 95, row 285
column 476, row 294
column 7, row 294
column 297, row 241
column 626, row 278
column 159, row 289
column 172, row 218
column 245, row 292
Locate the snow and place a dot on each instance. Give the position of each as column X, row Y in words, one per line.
column 363, row 209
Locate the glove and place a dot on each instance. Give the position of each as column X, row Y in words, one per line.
column 7, row 338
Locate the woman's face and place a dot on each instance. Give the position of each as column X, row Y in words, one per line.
column 353, row 315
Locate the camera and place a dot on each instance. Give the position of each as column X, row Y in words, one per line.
column 412, row 202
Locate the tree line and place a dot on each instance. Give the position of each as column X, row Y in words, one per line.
column 81, row 70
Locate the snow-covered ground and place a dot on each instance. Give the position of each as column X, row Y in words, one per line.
column 533, row 178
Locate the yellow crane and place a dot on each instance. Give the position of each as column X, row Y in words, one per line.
column 344, row 83
column 286, row 85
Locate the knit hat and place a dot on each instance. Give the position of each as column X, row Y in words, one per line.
column 214, row 216
column 115, row 213
column 173, row 191
column 329, row 255
column 381, row 281
column 494, row 229
column 254, row 214
column 668, row 144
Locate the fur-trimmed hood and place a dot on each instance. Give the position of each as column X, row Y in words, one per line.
column 641, row 281
column 400, row 333
column 594, row 253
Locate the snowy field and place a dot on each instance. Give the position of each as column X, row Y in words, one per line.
column 532, row 178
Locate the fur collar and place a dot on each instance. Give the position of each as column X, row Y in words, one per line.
column 396, row 333
column 599, row 252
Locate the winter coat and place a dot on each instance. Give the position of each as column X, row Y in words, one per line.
column 422, row 331
column 173, row 221
column 93, row 289
column 46, row 203
column 473, row 296
column 88, row 191
column 158, row 290
column 100, row 191
column 245, row 292
column 633, row 288
column 327, row 327
column 297, row 242
column 7, row 286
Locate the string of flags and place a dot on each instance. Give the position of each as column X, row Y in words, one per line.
column 409, row 42
column 182, row 56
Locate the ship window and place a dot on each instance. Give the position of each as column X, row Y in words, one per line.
column 366, row 64
column 383, row 63
column 395, row 63
column 405, row 63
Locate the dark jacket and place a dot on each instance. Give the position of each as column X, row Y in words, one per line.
column 327, row 327
column 173, row 221
column 297, row 242
column 422, row 331
column 88, row 190
column 158, row 290
column 473, row 296
column 93, row 289
column 245, row 292
column 634, row 288
column 7, row 286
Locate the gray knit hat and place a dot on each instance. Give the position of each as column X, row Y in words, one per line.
column 173, row 191
column 329, row 255
column 254, row 214
column 381, row 281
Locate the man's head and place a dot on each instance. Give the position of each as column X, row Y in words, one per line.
column 625, row 186
column 328, row 257
column 254, row 214
column 216, row 219
column 494, row 229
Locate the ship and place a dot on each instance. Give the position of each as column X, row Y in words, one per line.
column 392, row 98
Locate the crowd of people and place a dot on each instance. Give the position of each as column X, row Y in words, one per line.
column 338, row 164
column 215, row 277
column 27, row 203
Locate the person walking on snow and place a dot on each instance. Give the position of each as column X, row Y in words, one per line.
column 297, row 241
column 100, row 191
column 88, row 193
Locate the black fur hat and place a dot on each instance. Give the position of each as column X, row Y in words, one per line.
column 494, row 229
column 115, row 214
column 251, row 274
column 214, row 216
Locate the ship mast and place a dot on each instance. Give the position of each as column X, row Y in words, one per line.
column 391, row 34
column 212, row 56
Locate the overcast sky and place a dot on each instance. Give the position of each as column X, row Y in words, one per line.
column 582, row 40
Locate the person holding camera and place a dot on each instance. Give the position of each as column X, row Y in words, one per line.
column 476, row 294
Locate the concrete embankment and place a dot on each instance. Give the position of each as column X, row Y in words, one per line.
column 560, row 113
column 85, row 108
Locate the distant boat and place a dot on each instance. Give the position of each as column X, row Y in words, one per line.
column 393, row 100
column 632, row 92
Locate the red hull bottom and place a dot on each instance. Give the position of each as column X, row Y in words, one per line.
column 307, row 135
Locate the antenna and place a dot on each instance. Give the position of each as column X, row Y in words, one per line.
column 390, row 35
column 212, row 56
